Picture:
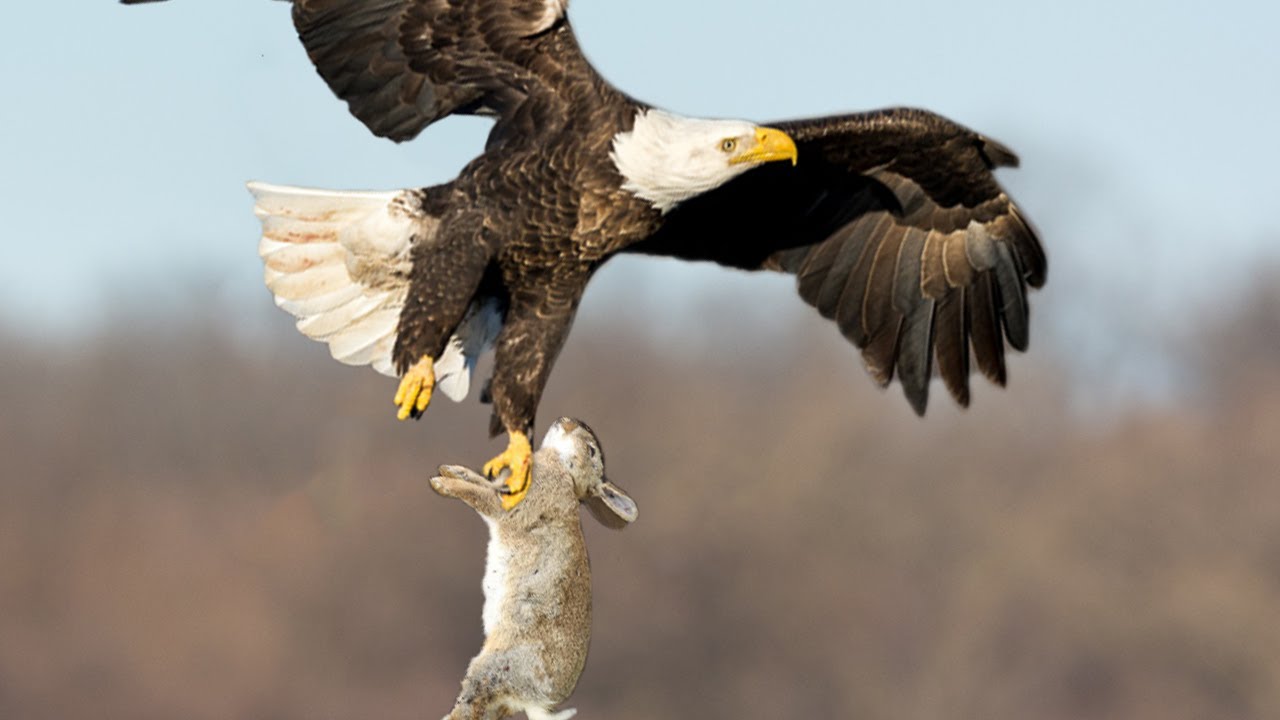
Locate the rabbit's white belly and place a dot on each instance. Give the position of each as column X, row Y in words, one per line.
column 495, row 585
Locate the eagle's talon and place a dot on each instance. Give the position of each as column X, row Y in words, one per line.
column 414, row 394
column 515, row 461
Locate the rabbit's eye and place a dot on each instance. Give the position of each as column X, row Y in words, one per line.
column 591, row 449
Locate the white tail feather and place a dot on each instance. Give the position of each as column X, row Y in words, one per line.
column 340, row 263
column 321, row 325
column 353, row 343
column 320, row 280
column 320, row 303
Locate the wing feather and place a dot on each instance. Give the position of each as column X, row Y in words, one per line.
column 951, row 344
column 817, row 267
column 984, row 324
column 878, row 299
column 980, row 248
column 915, row 355
column 906, row 286
column 955, row 261
column 848, row 306
column 933, row 274
column 1013, row 293
column 829, row 267
column 882, row 351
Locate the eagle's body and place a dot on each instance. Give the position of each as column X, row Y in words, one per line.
column 892, row 221
column 525, row 225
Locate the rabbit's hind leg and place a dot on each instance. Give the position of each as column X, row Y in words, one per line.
column 479, row 701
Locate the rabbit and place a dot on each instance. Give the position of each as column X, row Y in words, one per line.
column 537, row 580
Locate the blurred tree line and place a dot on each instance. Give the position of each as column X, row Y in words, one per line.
column 199, row 524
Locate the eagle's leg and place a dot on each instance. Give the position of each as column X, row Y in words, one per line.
column 517, row 458
column 532, row 335
column 446, row 273
column 414, row 394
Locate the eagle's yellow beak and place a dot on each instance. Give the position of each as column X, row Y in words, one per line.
column 771, row 145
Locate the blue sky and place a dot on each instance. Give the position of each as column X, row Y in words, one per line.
column 1148, row 133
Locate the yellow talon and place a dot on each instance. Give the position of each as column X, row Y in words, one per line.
column 516, row 458
column 414, row 394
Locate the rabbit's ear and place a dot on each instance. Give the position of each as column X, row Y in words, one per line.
column 611, row 506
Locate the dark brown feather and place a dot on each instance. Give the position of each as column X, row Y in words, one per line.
column 882, row 351
column 951, row 343
column 906, row 286
column 933, row 274
column 848, row 307
column 1013, row 294
column 878, row 299
column 915, row 355
column 955, row 261
column 984, row 327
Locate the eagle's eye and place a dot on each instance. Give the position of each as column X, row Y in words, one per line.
column 729, row 145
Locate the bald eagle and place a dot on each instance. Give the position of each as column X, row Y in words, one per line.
column 891, row 221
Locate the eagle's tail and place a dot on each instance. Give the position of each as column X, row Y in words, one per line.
column 340, row 262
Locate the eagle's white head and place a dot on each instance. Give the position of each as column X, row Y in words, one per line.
column 667, row 159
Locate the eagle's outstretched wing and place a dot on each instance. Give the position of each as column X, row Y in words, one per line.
column 400, row 65
column 896, row 229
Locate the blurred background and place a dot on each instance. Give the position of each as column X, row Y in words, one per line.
column 202, row 515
